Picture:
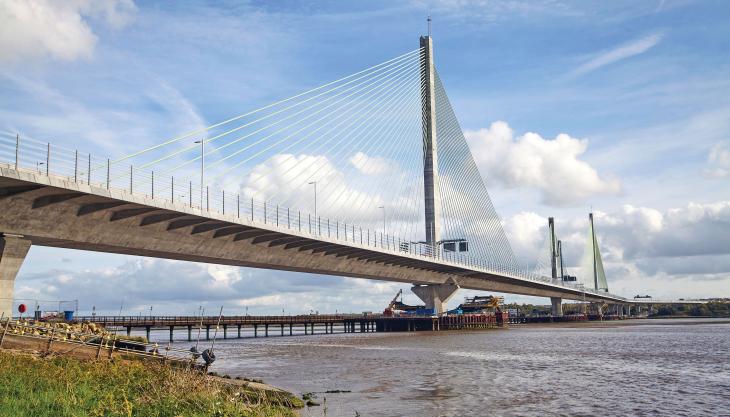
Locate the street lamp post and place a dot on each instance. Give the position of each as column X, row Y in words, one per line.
column 202, row 168
column 315, row 198
column 383, row 207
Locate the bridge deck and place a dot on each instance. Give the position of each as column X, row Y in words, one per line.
column 57, row 211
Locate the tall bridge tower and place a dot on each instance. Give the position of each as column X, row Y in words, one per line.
column 431, row 192
column 434, row 296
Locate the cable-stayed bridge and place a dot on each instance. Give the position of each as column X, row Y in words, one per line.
column 367, row 176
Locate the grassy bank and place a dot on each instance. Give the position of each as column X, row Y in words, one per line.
column 63, row 386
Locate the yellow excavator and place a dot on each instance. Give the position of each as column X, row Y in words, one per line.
column 481, row 302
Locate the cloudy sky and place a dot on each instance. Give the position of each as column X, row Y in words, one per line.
column 622, row 107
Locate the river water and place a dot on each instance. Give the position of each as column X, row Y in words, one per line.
column 634, row 367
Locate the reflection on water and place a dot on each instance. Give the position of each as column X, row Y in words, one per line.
column 669, row 367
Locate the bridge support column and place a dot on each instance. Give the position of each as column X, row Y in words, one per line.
column 291, row 330
column 190, row 333
column 147, row 333
column 172, row 328
column 239, row 331
column 207, row 332
column 435, row 296
column 12, row 254
column 557, row 306
column 129, row 330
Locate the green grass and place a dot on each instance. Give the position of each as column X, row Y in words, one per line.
column 59, row 386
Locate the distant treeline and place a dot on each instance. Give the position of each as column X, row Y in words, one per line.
column 711, row 309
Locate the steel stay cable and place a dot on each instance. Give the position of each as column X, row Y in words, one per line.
column 278, row 142
column 358, row 130
column 384, row 85
column 187, row 135
column 379, row 77
column 397, row 116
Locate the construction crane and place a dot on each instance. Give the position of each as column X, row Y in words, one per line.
column 395, row 307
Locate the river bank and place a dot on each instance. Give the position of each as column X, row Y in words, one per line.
column 64, row 386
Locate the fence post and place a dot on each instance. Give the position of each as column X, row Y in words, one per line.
column 76, row 166
column 48, row 160
column 17, row 150
column 108, row 172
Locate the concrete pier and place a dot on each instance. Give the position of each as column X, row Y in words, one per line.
column 13, row 250
column 557, row 306
column 435, row 296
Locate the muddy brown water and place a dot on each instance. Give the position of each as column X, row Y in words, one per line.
column 636, row 367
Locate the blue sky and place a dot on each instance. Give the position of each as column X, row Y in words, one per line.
column 640, row 89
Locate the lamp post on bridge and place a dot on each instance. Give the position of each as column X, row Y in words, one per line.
column 383, row 207
column 315, row 198
column 202, row 168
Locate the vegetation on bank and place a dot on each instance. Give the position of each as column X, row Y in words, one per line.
column 711, row 309
column 63, row 386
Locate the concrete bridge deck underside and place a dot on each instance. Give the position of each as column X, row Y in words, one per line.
column 53, row 211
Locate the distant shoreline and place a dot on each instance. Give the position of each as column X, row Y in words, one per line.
column 676, row 320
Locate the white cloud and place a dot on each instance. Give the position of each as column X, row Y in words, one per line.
column 370, row 165
column 551, row 166
column 61, row 117
column 177, row 287
column 635, row 47
column 640, row 232
column 526, row 232
column 33, row 29
column 688, row 241
column 719, row 160
column 341, row 194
